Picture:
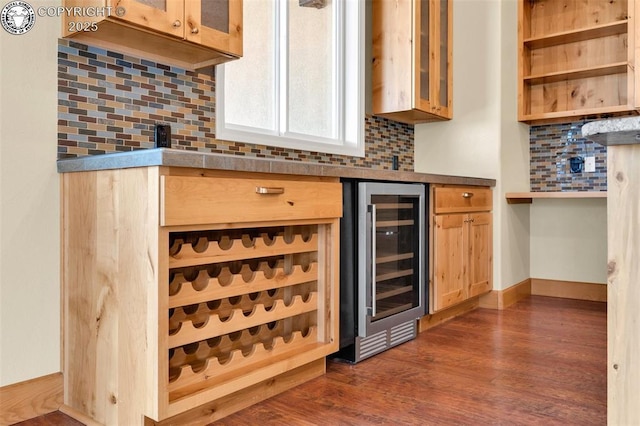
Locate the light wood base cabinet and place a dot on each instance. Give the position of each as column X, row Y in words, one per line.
column 190, row 294
column 462, row 248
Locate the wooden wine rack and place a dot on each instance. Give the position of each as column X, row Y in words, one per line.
column 201, row 318
column 239, row 318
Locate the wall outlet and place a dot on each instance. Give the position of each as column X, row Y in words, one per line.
column 589, row 164
column 576, row 164
column 162, row 136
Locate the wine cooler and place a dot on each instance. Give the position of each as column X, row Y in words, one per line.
column 383, row 266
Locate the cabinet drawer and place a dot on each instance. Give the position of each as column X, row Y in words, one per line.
column 188, row 200
column 458, row 199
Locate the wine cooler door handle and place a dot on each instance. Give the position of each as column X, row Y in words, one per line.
column 373, row 260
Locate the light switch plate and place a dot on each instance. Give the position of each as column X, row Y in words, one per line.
column 589, row 164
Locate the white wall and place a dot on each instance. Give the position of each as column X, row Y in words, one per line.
column 29, row 203
column 569, row 240
column 469, row 144
column 484, row 138
column 513, row 221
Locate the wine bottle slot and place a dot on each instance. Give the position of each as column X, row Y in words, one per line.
column 214, row 305
column 199, row 371
column 225, row 242
column 175, row 287
column 216, row 325
column 200, row 246
column 224, row 239
column 176, row 246
column 268, row 239
column 186, row 354
column 248, row 241
column 189, row 256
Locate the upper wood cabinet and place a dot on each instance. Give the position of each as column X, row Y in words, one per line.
column 412, row 60
column 576, row 59
column 190, row 34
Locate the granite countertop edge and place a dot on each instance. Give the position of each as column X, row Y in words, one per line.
column 614, row 131
column 202, row 160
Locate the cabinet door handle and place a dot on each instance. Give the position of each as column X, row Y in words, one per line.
column 195, row 30
column 268, row 190
column 467, row 194
column 176, row 24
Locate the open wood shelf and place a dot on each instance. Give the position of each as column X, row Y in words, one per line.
column 555, row 39
column 527, row 197
column 596, row 71
column 576, row 61
column 558, row 116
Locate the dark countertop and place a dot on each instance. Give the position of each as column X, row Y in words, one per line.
column 200, row 160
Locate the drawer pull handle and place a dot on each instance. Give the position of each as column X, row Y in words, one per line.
column 268, row 190
column 467, row 194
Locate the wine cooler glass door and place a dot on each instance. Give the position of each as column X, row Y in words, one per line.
column 391, row 260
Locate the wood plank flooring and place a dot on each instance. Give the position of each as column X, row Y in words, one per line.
column 541, row 361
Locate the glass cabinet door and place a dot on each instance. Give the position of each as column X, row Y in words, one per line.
column 160, row 15
column 215, row 23
column 445, row 54
column 423, row 47
column 433, row 57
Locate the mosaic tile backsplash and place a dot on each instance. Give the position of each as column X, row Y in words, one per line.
column 108, row 102
column 551, row 147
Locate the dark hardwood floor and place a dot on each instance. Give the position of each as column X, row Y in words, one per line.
column 541, row 361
